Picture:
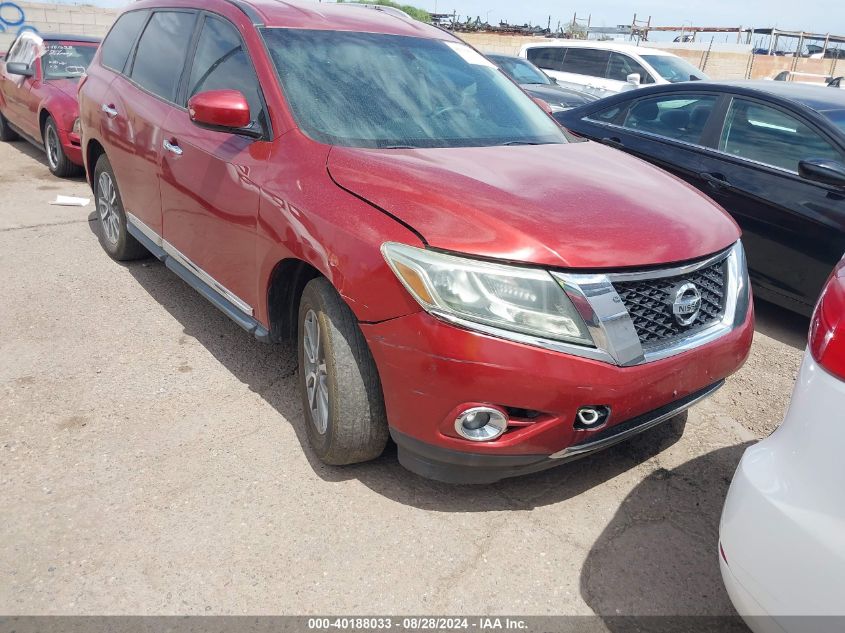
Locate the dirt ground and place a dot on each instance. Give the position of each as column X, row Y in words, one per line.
column 153, row 461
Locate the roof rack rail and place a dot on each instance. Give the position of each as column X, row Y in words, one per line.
column 398, row 13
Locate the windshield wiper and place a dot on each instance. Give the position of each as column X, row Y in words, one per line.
column 398, row 147
column 512, row 143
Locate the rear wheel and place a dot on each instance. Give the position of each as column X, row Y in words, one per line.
column 114, row 237
column 57, row 160
column 341, row 392
column 7, row 134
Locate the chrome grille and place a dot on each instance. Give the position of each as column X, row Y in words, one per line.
column 649, row 303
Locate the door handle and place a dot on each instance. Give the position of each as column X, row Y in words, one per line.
column 109, row 110
column 717, row 181
column 613, row 141
column 172, row 147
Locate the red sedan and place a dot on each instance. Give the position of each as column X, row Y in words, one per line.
column 38, row 84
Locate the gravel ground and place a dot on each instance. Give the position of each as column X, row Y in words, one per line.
column 153, row 461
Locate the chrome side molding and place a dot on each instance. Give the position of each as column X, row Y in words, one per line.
column 226, row 301
column 176, row 254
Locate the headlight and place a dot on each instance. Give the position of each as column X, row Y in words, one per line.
column 77, row 127
column 510, row 298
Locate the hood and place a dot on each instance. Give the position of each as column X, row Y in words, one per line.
column 558, row 96
column 577, row 205
column 68, row 87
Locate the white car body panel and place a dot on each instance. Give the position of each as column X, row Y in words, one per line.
column 600, row 86
column 783, row 526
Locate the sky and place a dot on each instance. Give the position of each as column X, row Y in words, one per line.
column 820, row 16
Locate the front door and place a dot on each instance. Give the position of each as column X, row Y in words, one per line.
column 17, row 89
column 793, row 229
column 209, row 196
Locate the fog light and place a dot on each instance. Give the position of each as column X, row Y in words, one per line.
column 589, row 418
column 481, row 424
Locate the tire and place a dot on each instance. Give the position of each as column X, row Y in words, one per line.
column 57, row 160
column 111, row 218
column 7, row 134
column 354, row 428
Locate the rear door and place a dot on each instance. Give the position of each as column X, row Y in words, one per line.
column 139, row 102
column 208, row 178
column 578, row 66
column 667, row 130
column 793, row 229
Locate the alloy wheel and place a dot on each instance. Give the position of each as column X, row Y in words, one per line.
column 316, row 373
column 52, row 145
column 106, row 205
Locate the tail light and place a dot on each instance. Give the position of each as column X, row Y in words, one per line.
column 827, row 332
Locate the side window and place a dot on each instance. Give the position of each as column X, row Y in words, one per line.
column 120, row 39
column 586, row 61
column 621, row 66
column 607, row 115
column 680, row 118
column 161, row 52
column 221, row 63
column 548, row 58
column 767, row 135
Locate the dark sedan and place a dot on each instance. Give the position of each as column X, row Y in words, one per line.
column 771, row 153
column 538, row 84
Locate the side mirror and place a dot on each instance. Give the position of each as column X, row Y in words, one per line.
column 18, row 68
column 634, row 79
column 222, row 111
column 826, row 172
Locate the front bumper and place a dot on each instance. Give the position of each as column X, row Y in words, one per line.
column 72, row 146
column 431, row 370
column 471, row 468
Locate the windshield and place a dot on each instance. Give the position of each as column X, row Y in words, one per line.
column 65, row 60
column 521, row 71
column 674, row 69
column 838, row 118
column 390, row 91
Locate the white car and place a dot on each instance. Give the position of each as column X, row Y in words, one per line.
column 782, row 537
column 605, row 68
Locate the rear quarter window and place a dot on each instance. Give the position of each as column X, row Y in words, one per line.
column 119, row 41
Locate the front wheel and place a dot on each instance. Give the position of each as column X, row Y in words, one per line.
column 114, row 237
column 341, row 392
column 57, row 160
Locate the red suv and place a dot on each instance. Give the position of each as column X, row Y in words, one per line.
column 38, row 85
column 460, row 274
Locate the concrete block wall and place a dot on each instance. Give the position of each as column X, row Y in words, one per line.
column 74, row 19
